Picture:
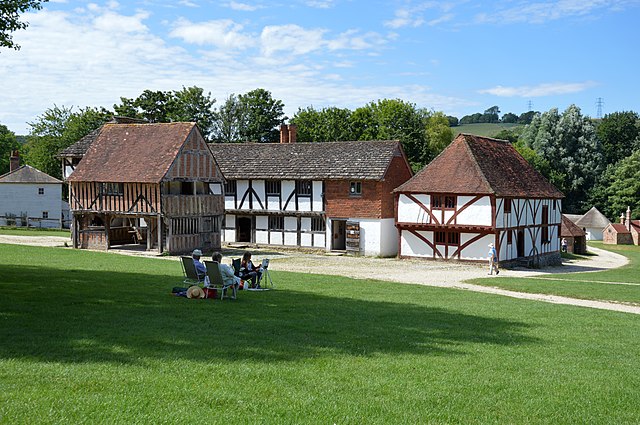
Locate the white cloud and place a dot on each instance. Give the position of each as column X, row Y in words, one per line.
column 545, row 89
column 116, row 23
column 353, row 40
column 188, row 3
column 223, row 33
column 291, row 39
column 413, row 15
column 243, row 7
column 320, row 4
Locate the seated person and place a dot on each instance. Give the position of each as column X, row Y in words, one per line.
column 228, row 277
column 201, row 269
column 250, row 272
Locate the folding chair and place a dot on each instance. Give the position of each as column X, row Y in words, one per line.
column 191, row 275
column 215, row 279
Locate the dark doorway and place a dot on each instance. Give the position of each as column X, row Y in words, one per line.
column 520, row 243
column 338, row 235
column 243, row 229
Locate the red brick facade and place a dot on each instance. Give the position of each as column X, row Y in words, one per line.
column 376, row 200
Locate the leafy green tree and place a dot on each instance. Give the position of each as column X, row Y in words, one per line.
column 262, row 116
column 10, row 11
column 56, row 129
column 509, row 118
column 510, row 134
column 535, row 160
column 619, row 188
column 526, row 117
column 438, row 136
column 453, row 121
column 569, row 144
column 229, row 121
column 619, row 133
column 327, row 125
column 8, row 143
column 471, row 119
column 491, row 115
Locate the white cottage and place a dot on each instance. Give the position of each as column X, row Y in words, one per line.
column 26, row 192
column 331, row 196
column 593, row 222
column 476, row 192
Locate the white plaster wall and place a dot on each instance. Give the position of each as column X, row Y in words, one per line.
column 304, row 204
column 410, row 212
column 319, row 240
column 306, row 239
column 229, row 203
column 276, row 238
column 412, row 246
column 17, row 198
column 290, row 238
column 262, row 222
column 317, row 196
column 372, row 242
column 288, row 187
column 594, row 234
column 241, row 188
column 305, row 224
column 478, row 250
column 479, row 213
column 258, row 188
column 273, row 203
column 262, row 236
column 229, row 235
column 290, row 224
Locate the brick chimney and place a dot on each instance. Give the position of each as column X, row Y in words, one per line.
column 628, row 218
column 622, row 218
column 293, row 133
column 14, row 161
column 284, row 133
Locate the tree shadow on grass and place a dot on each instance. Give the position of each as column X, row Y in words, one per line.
column 99, row 316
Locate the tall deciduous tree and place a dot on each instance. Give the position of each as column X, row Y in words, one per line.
column 262, row 116
column 438, row 136
column 619, row 133
column 229, row 121
column 327, row 125
column 8, row 143
column 10, row 11
column 619, row 188
column 569, row 144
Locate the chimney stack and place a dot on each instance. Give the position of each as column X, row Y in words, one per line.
column 622, row 218
column 14, row 161
column 284, row 133
column 293, row 133
column 628, row 218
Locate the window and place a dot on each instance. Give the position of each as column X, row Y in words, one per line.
column 435, row 201
column 355, row 189
column 555, row 201
column 440, row 237
column 230, row 187
column 272, row 187
column 186, row 188
column 450, row 202
column 114, row 189
column 509, row 237
column 447, row 238
column 317, row 224
column 41, row 191
column 303, row 188
column 507, row 206
column 276, row 223
column 545, row 224
column 45, row 214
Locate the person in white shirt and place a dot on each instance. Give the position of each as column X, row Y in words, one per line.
column 493, row 260
column 226, row 271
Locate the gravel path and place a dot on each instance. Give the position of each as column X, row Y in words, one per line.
column 410, row 271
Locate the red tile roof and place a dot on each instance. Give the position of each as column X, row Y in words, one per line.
column 481, row 165
column 568, row 228
column 124, row 153
column 620, row 228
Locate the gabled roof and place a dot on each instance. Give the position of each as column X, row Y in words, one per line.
column 27, row 174
column 573, row 217
column 620, row 228
column 363, row 160
column 568, row 228
column 132, row 152
column 481, row 165
column 593, row 219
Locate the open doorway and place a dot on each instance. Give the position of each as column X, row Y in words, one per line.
column 243, row 229
column 338, row 235
column 520, row 243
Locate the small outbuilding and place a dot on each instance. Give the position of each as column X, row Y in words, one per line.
column 575, row 236
column 593, row 223
column 627, row 232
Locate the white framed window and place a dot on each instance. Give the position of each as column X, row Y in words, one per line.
column 41, row 191
column 355, row 189
column 45, row 214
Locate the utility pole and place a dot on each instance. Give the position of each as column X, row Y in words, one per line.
column 599, row 105
column 530, row 105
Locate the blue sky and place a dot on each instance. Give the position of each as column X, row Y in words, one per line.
column 456, row 56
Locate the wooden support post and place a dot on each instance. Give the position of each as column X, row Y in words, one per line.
column 159, row 234
column 148, row 220
column 75, row 225
column 107, row 226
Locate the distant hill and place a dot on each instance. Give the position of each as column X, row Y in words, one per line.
column 486, row 129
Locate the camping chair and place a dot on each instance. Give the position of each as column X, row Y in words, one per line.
column 215, row 279
column 191, row 275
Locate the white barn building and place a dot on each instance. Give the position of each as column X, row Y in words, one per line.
column 476, row 192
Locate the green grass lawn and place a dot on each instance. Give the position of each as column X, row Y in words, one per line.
column 483, row 129
column 596, row 285
column 90, row 337
column 33, row 231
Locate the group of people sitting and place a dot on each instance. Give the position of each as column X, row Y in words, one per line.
column 247, row 274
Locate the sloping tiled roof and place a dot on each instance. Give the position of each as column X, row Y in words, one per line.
column 481, row 165
column 573, row 217
column 132, row 152
column 363, row 160
column 79, row 148
column 568, row 228
column 593, row 219
column 620, row 228
column 27, row 174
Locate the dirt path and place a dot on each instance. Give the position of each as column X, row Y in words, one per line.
column 410, row 271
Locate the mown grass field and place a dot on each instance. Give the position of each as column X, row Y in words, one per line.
column 31, row 231
column 90, row 337
column 484, row 129
column 620, row 284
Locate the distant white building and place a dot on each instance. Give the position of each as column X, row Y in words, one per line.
column 28, row 192
column 593, row 223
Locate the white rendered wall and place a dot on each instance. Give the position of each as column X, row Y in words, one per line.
column 306, row 239
column 288, row 188
column 594, row 234
column 241, row 189
column 276, row 238
column 262, row 237
column 476, row 214
column 262, row 232
column 273, row 203
column 19, row 198
column 412, row 246
column 229, row 234
column 317, row 196
column 478, row 250
column 410, row 212
column 319, row 240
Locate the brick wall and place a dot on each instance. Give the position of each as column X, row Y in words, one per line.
column 398, row 173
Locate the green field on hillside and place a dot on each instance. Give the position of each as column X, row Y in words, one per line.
column 94, row 337
column 488, row 130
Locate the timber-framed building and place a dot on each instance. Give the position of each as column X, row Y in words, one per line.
column 150, row 184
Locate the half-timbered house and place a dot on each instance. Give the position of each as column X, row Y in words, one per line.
column 153, row 184
column 330, row 196
column 476, row 192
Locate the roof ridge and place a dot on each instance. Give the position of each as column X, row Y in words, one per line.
column 478, row 168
